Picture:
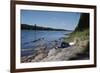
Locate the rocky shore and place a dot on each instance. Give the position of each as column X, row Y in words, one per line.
column 75, row 52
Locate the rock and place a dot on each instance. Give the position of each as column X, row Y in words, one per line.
column 39, row 57
column 40, row 54
column 23, row 59
column 52, row 52
column 56, row 54
column 64, row 45
column 40, row 50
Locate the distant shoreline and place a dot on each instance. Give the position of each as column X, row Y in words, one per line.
column 35, row 27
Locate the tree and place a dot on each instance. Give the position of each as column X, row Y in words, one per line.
column 83, row 22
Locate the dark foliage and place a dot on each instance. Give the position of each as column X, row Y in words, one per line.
column 83, row 22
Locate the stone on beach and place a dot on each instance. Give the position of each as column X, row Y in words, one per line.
column 56, row 54
column 39, row 57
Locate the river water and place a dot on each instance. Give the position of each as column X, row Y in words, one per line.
column 30, row 39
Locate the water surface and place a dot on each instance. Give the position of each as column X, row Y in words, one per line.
column 31, row 39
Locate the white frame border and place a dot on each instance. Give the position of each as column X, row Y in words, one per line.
column 53, row 64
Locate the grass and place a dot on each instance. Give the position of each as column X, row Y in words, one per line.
column 82, row 44
column 81, row 35
column 83, row 39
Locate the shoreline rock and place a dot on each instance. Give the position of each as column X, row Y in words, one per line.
column 58, row 54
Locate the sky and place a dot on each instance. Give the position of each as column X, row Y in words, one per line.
column 53, row 19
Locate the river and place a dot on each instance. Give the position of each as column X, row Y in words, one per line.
column 31, row 39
